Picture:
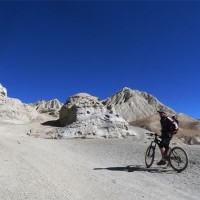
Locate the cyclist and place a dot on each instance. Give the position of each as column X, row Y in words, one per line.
column 168, row 128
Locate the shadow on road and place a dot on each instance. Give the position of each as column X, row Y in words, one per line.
column 54, row 123
column 138, row 168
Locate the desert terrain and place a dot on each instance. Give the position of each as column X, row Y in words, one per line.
column 37, row 168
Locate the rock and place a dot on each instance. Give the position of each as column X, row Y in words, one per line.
column 51, row 107
column 195, row 140
column 85, row 116
column 183, row 140
column 14, row 111
column 79, row 107
column 133, row 104
column 3, row 90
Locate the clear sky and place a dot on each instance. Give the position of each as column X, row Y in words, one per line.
column 57, row 49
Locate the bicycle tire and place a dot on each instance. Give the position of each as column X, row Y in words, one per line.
column 178, row 159
column 149, row 156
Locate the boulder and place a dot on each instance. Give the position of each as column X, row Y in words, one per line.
column 85, row 116
column 195, row 140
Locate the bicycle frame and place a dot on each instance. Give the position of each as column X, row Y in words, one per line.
column 156, row 141
column 177, row 158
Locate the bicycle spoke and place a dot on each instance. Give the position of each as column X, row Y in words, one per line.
column 178, row 159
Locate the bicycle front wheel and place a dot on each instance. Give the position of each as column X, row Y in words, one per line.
column 178, row 159
column 149, row 156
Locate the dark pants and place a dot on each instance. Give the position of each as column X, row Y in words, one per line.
column 165, row 140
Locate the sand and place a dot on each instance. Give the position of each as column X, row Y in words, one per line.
column 37, row 169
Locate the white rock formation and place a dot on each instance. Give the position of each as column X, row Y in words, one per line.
column 133, row 104
column 3, row 90
column 51, row 107
column 86, row 117
column 195, row 141
column 14, row 111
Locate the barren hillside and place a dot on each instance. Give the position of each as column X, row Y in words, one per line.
column 134, row 104
column 189, row 127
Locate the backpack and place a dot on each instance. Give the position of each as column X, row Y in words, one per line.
column 175, row 119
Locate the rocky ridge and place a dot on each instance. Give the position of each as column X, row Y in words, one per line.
column 51, row 107
column 133, row 104
column 14, row 111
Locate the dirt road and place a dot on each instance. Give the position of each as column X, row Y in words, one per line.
column 37, row 169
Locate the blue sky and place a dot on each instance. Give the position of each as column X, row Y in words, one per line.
column 57, row 49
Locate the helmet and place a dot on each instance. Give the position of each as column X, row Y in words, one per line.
column 161, row 110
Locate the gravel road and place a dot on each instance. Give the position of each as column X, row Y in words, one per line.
column 37, row 169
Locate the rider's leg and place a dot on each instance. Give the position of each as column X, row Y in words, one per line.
column 162, row 147
column 165, row 153
column 162, row 151
column 166, row 146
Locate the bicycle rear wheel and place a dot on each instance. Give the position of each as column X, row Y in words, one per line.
column 149, row 156
column 178, row 159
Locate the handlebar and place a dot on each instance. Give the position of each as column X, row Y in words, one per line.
column 154, row 134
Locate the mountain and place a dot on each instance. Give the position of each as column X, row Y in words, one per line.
column 51, row 107
column 133, row 104
column 85, row 116
column 140, row 110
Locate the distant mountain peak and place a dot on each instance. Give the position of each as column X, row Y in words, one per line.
column 135, row 104
column 52, row 106
column 126, row 89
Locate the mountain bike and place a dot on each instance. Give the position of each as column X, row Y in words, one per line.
column 177, row 157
